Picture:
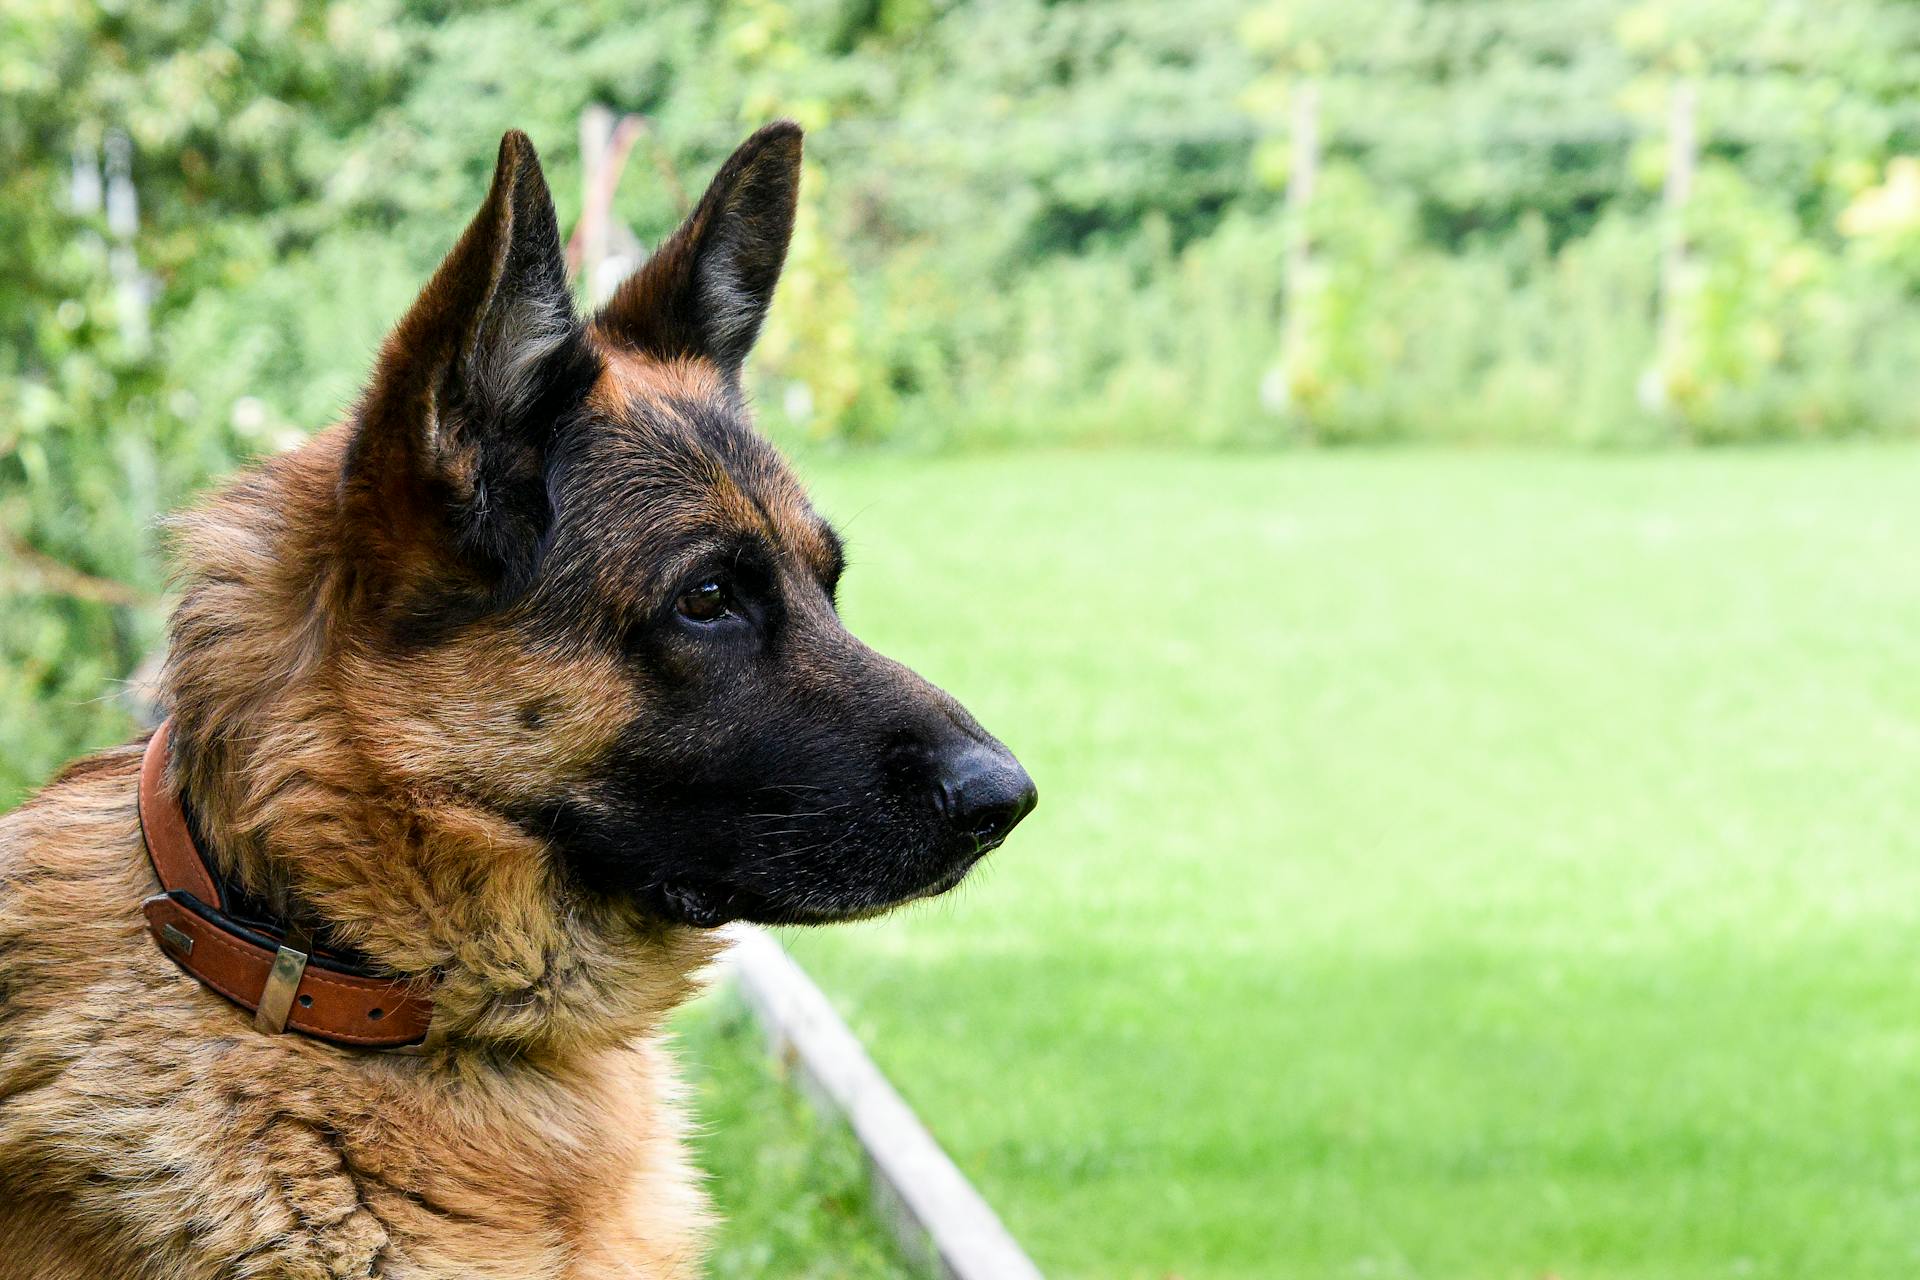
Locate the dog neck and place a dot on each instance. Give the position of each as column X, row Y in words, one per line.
column 297, row 809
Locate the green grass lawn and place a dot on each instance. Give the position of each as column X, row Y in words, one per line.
column 1446, row 866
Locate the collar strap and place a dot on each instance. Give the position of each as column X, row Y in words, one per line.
column 277, row 974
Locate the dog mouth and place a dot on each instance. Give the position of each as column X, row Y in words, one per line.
column 701, row 906
column 710, row 904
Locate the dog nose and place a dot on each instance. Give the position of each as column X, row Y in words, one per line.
column 984, row 793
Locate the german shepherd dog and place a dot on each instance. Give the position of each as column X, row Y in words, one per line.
column 502, row 693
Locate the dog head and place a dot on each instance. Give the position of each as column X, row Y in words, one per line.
column 589, row 597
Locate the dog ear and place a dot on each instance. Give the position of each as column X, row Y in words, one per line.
column 454, row 427
column 706, row 290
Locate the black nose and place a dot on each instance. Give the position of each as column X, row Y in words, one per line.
column 984, row 793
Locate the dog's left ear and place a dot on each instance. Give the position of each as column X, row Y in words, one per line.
column 706, row 290
column 469, row 386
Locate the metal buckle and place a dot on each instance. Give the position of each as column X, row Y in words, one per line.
column 283, row 981
column 175, row 942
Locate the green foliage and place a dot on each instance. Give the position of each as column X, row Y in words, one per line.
column 1026, row 222
column 1494, row 171
column 230, row 112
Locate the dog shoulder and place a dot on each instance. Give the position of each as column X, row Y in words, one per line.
column 71, row 859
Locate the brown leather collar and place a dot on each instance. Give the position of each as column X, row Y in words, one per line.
column 276, row 973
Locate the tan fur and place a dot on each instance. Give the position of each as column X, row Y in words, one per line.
column 147, row 1130
column 633, row 375
column 784, row 514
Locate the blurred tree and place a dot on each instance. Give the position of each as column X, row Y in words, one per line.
column 1036, row 220
column 226, row 117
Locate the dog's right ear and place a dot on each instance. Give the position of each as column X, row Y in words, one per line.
column 706, row 290
column 470, row 385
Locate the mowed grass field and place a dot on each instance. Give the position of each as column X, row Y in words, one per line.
column 1446, row 865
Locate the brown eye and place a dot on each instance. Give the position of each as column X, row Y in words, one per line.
column 707, row 601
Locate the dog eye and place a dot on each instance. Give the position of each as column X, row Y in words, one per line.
column 707, row 601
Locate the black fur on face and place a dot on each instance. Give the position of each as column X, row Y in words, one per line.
column 595, row 490
column 775, row 768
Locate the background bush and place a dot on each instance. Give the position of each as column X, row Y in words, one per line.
column 1023, row 223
